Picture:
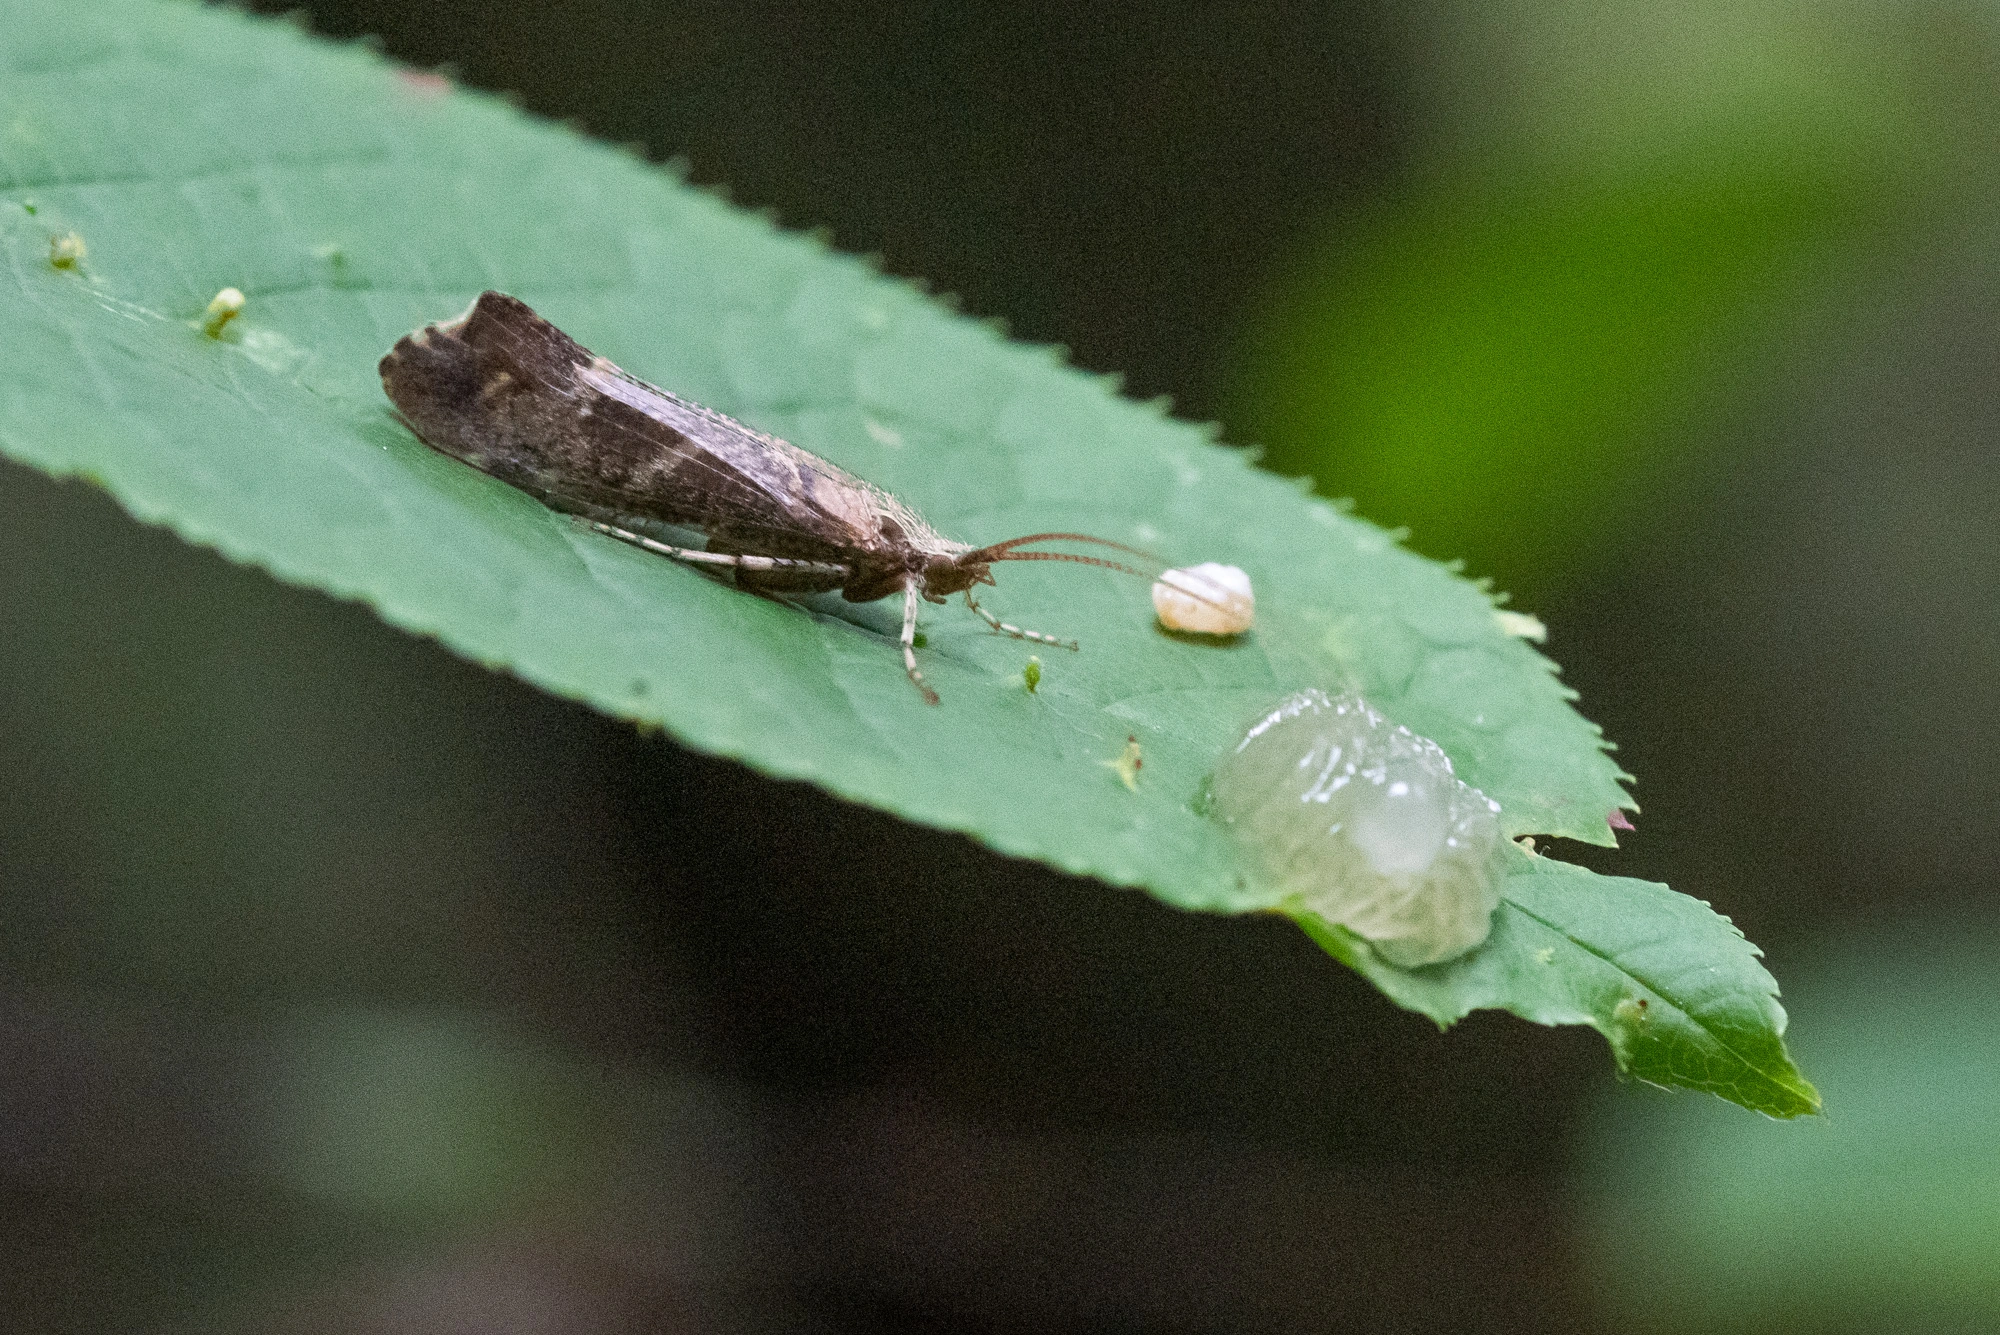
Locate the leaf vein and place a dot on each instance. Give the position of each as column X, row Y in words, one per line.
column 1693, row 1017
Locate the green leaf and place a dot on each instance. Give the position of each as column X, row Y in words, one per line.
column 1673, row 986
column 193, row 149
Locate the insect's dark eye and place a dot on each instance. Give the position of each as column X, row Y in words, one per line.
column 891, row 530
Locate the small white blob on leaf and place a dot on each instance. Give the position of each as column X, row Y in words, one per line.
column 223, row 307
column 67, row 250
column 1208, row 599
column 1363, row 823
column 1521, row 625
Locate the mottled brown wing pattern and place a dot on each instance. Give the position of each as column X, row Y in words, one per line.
column 510, row 394
column 753, row 492
column 507, row 392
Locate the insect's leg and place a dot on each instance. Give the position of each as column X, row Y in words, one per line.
column 910, row 605
column 661, row 548
column 732, row 559
column 1005, row 629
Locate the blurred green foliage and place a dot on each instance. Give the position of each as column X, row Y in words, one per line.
column 1620, row 204
column 1884, row 1215
column 419, row 1121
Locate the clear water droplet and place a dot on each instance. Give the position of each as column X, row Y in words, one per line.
column 1407, row 857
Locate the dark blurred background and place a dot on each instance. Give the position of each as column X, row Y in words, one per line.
column 348, row 987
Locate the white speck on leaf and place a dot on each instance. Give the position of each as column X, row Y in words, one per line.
column 223, row 307
column 1208, row 599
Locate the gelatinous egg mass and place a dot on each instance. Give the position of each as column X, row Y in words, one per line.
column 1209, row 599
column 1364, row 823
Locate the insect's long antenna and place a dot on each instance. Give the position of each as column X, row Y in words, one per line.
column 1005, row 551
column 1182, row 586
column 1066, row 556
column 993, row 553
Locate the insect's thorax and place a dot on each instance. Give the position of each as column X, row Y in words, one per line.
column 906, row 549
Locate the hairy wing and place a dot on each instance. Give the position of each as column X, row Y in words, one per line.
column 509, row 393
